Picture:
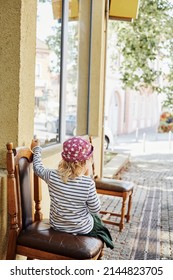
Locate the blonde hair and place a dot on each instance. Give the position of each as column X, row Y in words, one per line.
column 71, row 170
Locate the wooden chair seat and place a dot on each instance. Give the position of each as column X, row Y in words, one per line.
column 40, row 236
column 113, row 185
column 119, row 188
column 30, row 235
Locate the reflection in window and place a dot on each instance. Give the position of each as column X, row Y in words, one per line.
column 47, row 74
column 38, row 70
column 56, row 105
column 72, row 69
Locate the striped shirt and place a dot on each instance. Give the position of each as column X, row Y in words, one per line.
column 71, row 203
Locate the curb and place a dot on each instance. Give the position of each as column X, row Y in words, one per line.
column 114, row 166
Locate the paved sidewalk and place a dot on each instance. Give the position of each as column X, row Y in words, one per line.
column 149, row 234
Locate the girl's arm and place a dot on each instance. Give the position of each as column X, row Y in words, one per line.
column 38, row 167
column 93, row 201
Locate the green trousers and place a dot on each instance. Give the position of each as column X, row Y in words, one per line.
column 100, row 231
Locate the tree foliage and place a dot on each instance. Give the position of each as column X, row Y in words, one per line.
column 146, row 47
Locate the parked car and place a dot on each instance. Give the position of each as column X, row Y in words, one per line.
column 71, row 125
column 51, row 124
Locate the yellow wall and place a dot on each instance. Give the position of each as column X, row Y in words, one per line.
column 17, row 72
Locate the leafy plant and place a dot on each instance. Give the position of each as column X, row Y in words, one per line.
column 146, row 46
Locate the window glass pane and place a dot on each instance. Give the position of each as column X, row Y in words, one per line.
column 72, row 68
column 53, row 99
column 47, row 73
column 78, row 65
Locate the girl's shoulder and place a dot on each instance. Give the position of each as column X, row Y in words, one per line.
column 87, row 179
column 54, row 173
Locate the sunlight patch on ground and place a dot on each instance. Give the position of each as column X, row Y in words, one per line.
column 169, row 178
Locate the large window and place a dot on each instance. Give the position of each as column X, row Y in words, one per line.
column 47, row 85
column 57, row 69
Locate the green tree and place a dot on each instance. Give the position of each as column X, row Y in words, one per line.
column 146, row 46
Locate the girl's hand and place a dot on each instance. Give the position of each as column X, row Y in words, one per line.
column 35, row 143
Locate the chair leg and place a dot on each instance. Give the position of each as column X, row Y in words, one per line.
column 121, row 225
column 129, row 207
column 11, row 249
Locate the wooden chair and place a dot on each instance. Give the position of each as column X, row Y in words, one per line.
column 30, row 235
column 117, row 188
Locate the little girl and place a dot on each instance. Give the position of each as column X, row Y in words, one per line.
column 74, row 203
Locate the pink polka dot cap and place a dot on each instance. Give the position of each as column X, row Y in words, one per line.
column 77, row 149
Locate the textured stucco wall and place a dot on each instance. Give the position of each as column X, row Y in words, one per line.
column 17, row 72
column 9, row 71
column 27, row 72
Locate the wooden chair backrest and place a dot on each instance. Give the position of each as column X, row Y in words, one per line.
column 23, row 188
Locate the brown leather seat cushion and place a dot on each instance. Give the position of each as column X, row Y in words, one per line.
column 40, row 235
column 113, row 185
